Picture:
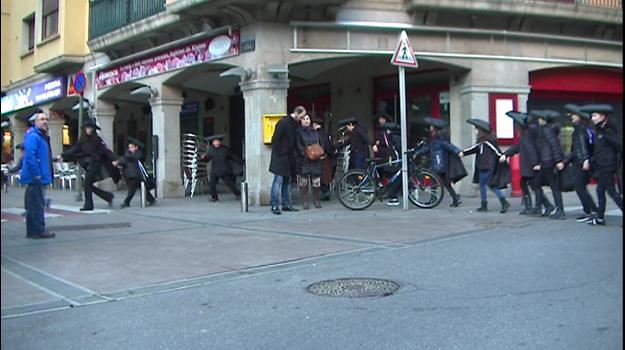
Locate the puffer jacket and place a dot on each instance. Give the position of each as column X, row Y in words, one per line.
column 581, row 146
column 607, row 149
column 37, row 160
column 549, row 147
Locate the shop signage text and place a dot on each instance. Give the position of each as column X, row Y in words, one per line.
column 205, row 50
column 32, row 95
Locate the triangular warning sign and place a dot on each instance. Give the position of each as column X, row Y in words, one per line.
column 404, row 55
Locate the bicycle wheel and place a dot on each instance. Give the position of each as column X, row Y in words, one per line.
column 356, row 191
column 425, row 189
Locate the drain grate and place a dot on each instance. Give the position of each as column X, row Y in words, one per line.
column 354, row 287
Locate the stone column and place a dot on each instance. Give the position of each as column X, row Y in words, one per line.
column 104, row 115
column 18, row 127
column 166, row 125
column 261, row 97
column 55, row 131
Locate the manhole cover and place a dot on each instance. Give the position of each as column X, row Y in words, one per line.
column 354, row 287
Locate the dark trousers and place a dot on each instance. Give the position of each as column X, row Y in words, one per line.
column 228, row 179
column 605, row 183
column 90, row 189
column 35, row 223
column 133, row 185
column 357, row 161
column 550, row 175
column 447, row 184
column 582, row 178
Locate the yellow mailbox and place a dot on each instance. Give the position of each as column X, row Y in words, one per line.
column 269, row 125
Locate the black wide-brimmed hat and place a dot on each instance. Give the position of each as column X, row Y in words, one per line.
column 519, row 117
column 480, row 124
column 436, row 122
column 90, row 123
column 390, row 126
column 597, row 108
column 219, row 137
column 547, row 114
column 575, row 109
column 350, row 120
column 132, row 140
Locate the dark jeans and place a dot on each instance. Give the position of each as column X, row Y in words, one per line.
column 582, row 178
column 228, row 179
column 358, row 161
column 605, row 182
column 133, row 185
column 281, row 185
column 484, row 176
column 90, row 189
column 550, row 175
column 35, row 223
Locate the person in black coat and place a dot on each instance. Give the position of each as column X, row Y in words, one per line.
column 387, row 150
column 551, row 161
column 132, row 174
column 439, row 148
column 604, row 161
column 580, row 155
column 308, row 170
column 527, row 148
column 329, row 162
column 486, row 164
column 221, row 168
column 96, row 158
column 359, row 141
column 283, row 159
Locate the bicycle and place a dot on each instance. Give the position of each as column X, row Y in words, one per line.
column 358, row 189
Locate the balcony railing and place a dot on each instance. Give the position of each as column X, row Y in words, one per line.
column 599, row 3
column 106, row 16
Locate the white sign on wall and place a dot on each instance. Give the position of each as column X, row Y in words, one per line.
column 505, row 124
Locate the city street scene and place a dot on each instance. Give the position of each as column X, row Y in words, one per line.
column 337, row 174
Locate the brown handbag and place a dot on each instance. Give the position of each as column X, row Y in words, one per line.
column 314, row 152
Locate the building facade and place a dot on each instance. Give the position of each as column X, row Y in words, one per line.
column 166, row 68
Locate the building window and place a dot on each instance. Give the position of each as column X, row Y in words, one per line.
column 49, row 18
column 28, row 28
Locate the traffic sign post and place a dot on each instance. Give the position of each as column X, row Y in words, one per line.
column 80, row 81
column 403, row 56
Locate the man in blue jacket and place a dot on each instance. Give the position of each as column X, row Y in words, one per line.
column 36, row 173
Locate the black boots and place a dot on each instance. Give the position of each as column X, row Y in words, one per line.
column 559, row 215
column 304, row 192
column 315, row 193
column 456, row 203
column 549, row 208
column 484, row 206
column 504, row 205
column 527, row 202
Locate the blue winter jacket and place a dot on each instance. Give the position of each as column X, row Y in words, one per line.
column 439, row 149
column 36, row 160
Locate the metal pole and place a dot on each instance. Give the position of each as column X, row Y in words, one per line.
column 79, row 184
column 404, row 136
column 244, row 194
column 143, row 195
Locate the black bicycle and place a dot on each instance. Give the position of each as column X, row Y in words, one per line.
column 358, row 189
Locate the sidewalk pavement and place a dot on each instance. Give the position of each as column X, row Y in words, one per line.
column 113, row 254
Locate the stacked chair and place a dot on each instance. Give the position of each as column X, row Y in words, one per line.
column 193, row 169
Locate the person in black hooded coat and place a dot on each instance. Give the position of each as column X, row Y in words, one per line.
column 527, row 148
column 96, row 158
column 608, row 148
column 441, row 150
column 551, row 162
column 580, row 155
